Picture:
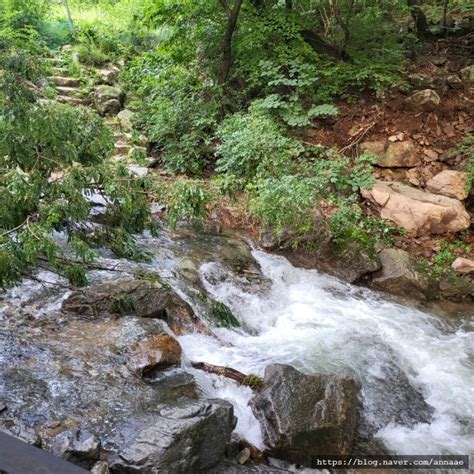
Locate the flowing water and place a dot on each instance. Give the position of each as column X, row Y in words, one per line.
column 415, row 369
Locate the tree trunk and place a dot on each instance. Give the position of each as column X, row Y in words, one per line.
column 68, row 13
column 322, row 46
column 232, row 16
column 421, row 23
column 445, row 15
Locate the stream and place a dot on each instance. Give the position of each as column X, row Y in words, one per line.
column 415, row 370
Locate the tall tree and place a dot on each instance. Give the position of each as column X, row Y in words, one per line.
column 232, row 17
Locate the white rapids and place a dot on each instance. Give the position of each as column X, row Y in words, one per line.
column 320, row 324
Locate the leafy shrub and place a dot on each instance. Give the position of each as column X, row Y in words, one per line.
column 287, row 201
column 186, row 200
column 53, row 159
column 253, row 143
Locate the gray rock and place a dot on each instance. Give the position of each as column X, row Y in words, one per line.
column 420, row 81
column 108, row 75
column 21, row 431
column 108, row 99
column 125, row 118
column 303, row 416
column 426, row 99
column 190, row 438
column 80, row 447
column 400, row 275
column 134, row 297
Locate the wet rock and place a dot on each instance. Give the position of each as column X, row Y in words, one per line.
column 426, row 99
column 461, row 265
column 100, row 467
column 21, row 431
column 467, row 75
column 108, row 99
column 233, row 467
column 457, row 287
column 153, row 354
column 400, row 275
column 77, row 446
column 419, row 213
column 125, row 118
column 189, row 438
column 108, row 75
column 142, row 298
column 398, row 154
column 449, row 183
column 349, row 263
column 243, row 456
column 303, row 416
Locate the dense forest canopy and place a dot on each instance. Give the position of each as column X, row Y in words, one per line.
column 222, row 89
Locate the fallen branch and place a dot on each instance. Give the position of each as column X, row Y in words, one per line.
column 250, row 380
column 358, row 139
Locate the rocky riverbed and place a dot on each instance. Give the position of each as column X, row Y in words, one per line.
column 103, row 377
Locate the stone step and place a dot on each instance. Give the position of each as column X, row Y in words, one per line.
column 63, row 81
column 122, row 148
column 68, row 91
column 64, row 99
column 54, row 60
column 59, row 71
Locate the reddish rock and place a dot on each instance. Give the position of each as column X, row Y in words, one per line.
column 419, row 213
column 449, row 183
column 155, row 353
column 463, row 265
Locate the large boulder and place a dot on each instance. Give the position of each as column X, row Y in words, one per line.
column 449, row 183
column 400, row 275
column 141, row 298
column 188, row 438
column 426, row 99
column 419, row 213
column 303, row 416
column 154, row 353
column 108, row 99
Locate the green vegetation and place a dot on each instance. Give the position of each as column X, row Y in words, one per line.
column 224, row 316
column 224, row 91
column 442, row 260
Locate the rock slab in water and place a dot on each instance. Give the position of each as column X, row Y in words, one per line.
column 399, row 275
column 142, row 298
column 79, row 447
column 419, row 213
column 190, row 438
column 303, row 416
